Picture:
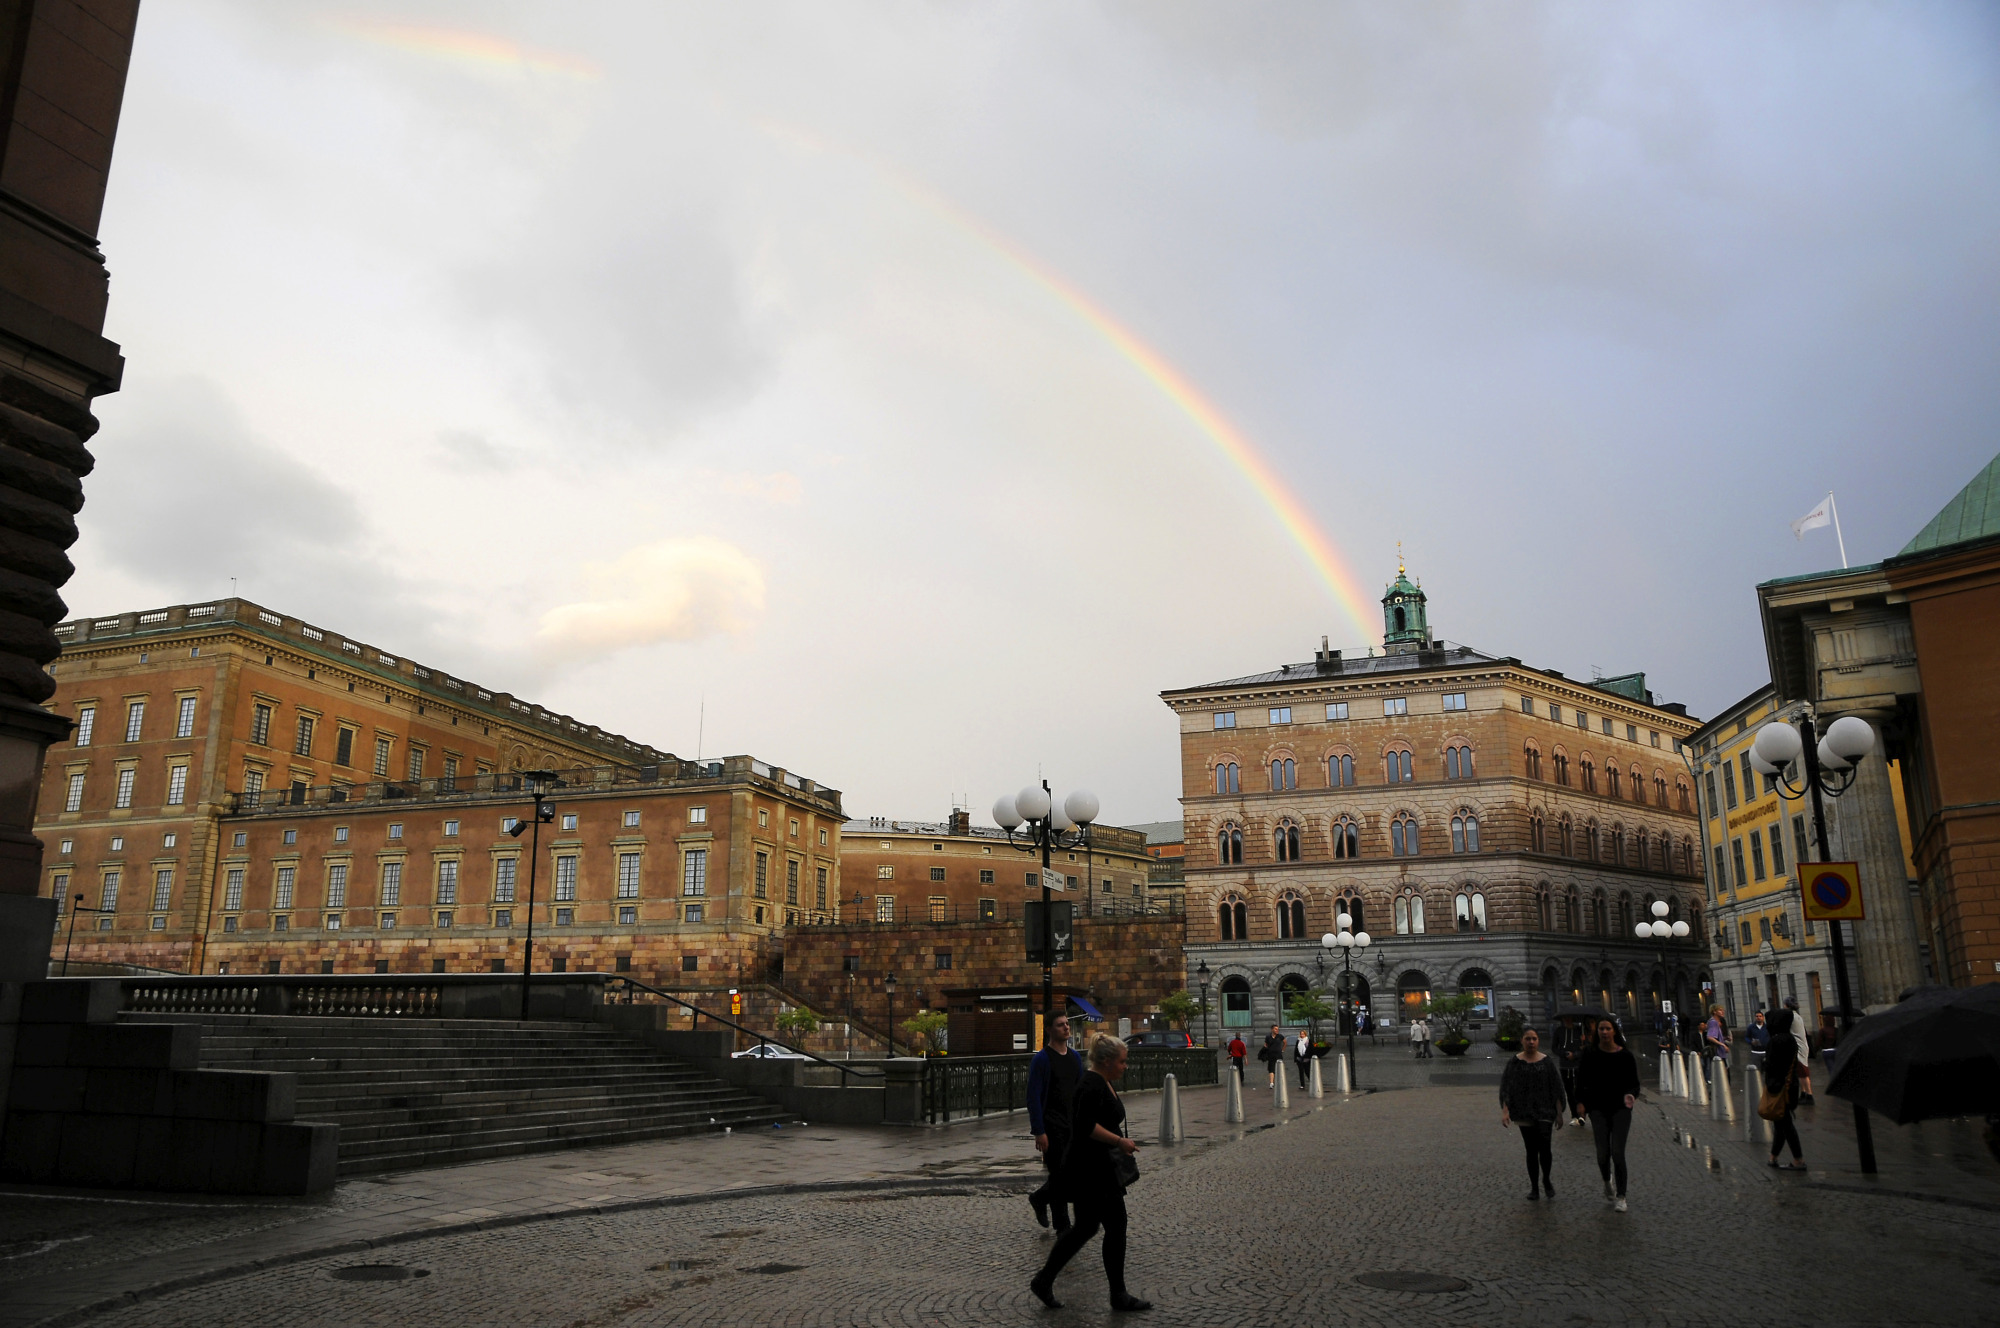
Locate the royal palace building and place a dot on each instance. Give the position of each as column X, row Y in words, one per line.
column 954, row 871
column 1496, row 829
column 245, row 792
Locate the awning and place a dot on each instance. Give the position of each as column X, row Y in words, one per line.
column 1090, row 1012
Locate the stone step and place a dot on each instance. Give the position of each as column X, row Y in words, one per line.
column 487, row 1098
column 357, row 1137
column 372, row 1164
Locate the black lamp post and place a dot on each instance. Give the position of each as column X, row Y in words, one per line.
column 889, row 985
column 1048, row 827
column 75, row 909
column 1201, row 973
column 1348, row 942
column 1830, row 765
column 539, row 782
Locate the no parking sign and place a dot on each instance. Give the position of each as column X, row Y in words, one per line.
column 1832, row 891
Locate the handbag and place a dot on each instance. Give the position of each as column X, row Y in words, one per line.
column 1774, row 1103
column 1124, row 1166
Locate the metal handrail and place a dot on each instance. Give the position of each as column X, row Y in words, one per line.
column 763, row 1039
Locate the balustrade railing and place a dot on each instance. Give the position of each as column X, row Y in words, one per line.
column 961, row 1086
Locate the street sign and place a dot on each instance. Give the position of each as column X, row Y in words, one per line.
column 1054, row 880
column 1061, row 920
column 1666, row 1007
column 1832, row 891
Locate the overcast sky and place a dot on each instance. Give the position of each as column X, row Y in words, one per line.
column 859, row 370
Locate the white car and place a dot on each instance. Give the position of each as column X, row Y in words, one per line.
column 773, row 1052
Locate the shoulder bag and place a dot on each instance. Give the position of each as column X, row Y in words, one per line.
column 1124, row 1166
column 1773, row 1103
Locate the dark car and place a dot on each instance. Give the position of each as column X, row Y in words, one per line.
column 1160, row 1037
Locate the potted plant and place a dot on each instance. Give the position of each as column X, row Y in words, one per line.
column 1508, row 1034
column 1451, row 1012
column 1313, row 1007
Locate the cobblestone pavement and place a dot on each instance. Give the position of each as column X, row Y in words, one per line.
column 1271, row 1228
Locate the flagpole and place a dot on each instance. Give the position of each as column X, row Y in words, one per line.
column 1834, row 507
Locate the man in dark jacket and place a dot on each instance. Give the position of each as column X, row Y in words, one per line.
column 1273, row 1056
column 1053, row 1075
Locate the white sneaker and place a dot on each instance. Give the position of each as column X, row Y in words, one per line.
column 1619, row 1205
column 1609, row 1193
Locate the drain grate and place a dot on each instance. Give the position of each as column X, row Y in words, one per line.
column 772, row 1269
column 734, row 1235
column 681, row 1265
column 1410, row 1282
column 378, row 1272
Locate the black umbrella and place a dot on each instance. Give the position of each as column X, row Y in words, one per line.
column 1936, row 1054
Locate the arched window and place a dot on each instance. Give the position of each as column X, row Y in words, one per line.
column 1588, row 772
column 1478, row 984
column 1562, row 768
column 1659, row 791
column 1545, row 907
column 1340, row 772
column 1346, row 838
column 1234, row 919
column 1458, row 763
column 1562, row 902
column 1403, row 836
column 1287, row 838
column 1227, row 778
column 1291, row 917
column 1284, row 774
column 1618, row 844
column 1694, row 918
column 1229, row 845
column 1538, row 841
column 1351, row 906
column 1235, row 1002
column 1398, row 766
column 1534, row 761
column 1465, row 833
column 1625, row 923
column 1291, row 990
column 1611, row 780
column 1687, row 857
column 1600, row 918
column 1568, row 836
column 1681, row 794
column 1409, row 914
column 1642, row 848
column 1638, row 785
column 1591, row 843
column 1575, row 910
column 1469, row 910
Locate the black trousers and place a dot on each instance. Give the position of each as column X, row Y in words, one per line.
column 1305, row 1071
column 1785, row 1130
column 1611, row 1129
column 1091, row 1213
column 1535, row 1137
column 1048, row 1194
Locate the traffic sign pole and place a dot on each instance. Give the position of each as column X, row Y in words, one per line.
column 1864, row 1134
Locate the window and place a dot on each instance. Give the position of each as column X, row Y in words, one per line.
column 135, row 720
column 1593, row 849
column 1545, row 907
column 942, row 959
column 388, row 924
column 987, row 909
column 1799, row 850
column 791, row 880
column 1403, row 836
column 1288, row 842
column 631, row 820
column 1395, row 705
column 1398, row 764
column 1659, row 791
column 1340, row 772
column 108, row 896
column 1582, row 720
column 343, row 747
column 1721, row 870
column 280, row 923
column 163, row 888
column 392, row 887
column 450, row 829
column 566, row 877
column 184, row 720
column 1284, row 774
column 415, row 768
column 628, row 915
column 1409, row 915
column 697, row 816
column 763, row 816
column 336, row 885
column 940, row 908
column 1458, row 763
column 86, row 724
column 340, row 834
column 1681, row 792
column 1291, row 918
column 822, row 838
column 1281, row 714
column 1749, row 778
column 1729, row 783
column 1346, row 838
column 793, row 828
column 1568, row 836
column 232, row 890
column 447, row 882
column 1756, row 856
column 819, row 889
column 124, row 796
column 1736, row 852
column 1555, row 712
column 1229, row 843
column 937, row 873
column 565, row 917
column 1533, row 761
column 628, row 875
column 67, row 847
column 241, row 839
column 1454, row 700
column 1465, row 834
column 73, row 801
column 448, row 782
column 694, row 873
column 1225, row 719
column 503, row 879
column 1589, row 775
column 1233, row 915
column 986, row 878
column 1611, row 780
column 260, row 725
column 1527, row 705
column 1470, row 911
column 1537, row 833
column 1605, row 727
column 1336, row 710
column 569, row 821
column 382, row 758
column 304, row 743
column 395, row 830
column 1561, row 763
column 885, row 908
column 762, row 875
column 287, row 879
column 332, row 924
column 1226, row 778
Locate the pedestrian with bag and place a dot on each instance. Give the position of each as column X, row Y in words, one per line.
column 1804, row 1044
column 1273, row 1055
column 1531, row 1096
column 1237, row 1051
column 1099, row 1167
column 1780, row 1097
column 1053, row 1076
column 1715, row 1038
column 1607, row 1088
column 1302, row 1055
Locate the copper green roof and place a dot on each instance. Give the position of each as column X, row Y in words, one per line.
column 1973, row 513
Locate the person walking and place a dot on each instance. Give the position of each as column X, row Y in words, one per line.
column 1417, row 1034
column 1804, row 1042
column 1781, row 1081
column 1531, row 1096
column 1273, row 1055
column 1090, row 1177
column 1302, row 1055
column 1053, row 1076
column 1237, row 1051
column 1715, row 1038
column 1607, row 1088
column 1757, row 1037
column 1829, row 1040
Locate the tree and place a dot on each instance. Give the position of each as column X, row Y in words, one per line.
column 926, row 1026
column 1311, row 1006
column 1178, row 1008
column 1452, row 1012
column 797, row 1024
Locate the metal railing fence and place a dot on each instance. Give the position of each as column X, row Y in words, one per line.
column 961, row 1086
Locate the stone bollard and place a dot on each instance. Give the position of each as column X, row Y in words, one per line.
column 1666, row 1073
column 1697, row 1083
column 1170, row 1111
column 1721, row 1104
column 1682, row 1079
column 1318, row 1085
column 1232, row 1100
column 1343, row 1075
column 1281, row 1097
column 1750, row 1103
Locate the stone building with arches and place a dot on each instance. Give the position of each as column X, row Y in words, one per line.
column 1496, row 828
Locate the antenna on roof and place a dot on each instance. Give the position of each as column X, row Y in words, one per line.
column 700, row 727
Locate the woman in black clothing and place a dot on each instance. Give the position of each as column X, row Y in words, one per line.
column 1781, row 1075
column 1089, row 1176
column 1531, row 1096
column 1607, row 1087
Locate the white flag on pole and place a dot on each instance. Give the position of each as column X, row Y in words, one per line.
column 1819, row 516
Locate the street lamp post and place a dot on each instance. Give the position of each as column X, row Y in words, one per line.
column 1201, row 974
column 1347, row 942
column 1660, row 929
column 75, row 909
column 1049, row 827
column 538, row 782
column 1829, row 771
column 889, row 985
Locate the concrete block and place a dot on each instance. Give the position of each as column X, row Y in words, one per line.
column 700, row 1045
column 137, row 1046
column 118, row 1091
column 27, row 925
column 31, row 1146
column 297, row 1158
column 47, row 1088
column 42, row 1044
column 153, row 1156
column 98, row 1150
column 72, row 1001
column 221, row 1157
column 10, row 1002
column 234, row 1095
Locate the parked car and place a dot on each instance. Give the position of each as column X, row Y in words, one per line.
column 1161, row 1037
column 771, row 1051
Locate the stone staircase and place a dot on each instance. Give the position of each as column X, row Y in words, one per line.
column 431, row 1092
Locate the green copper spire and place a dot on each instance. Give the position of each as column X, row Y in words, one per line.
column 1405, row 625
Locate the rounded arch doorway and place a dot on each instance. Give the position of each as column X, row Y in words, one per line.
column 1291, row 989
column 1413, row 993
column 1236, row 1002
column 1352, row 995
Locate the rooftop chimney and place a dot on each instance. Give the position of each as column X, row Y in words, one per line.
column 961, row 821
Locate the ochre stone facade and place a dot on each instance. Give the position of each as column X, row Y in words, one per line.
column 954, row 871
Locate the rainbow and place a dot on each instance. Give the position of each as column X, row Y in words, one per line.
column 1327, row 561
column 477, row 48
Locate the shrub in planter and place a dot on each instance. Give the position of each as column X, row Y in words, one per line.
column 1512, row 1024
column 1453, row 1046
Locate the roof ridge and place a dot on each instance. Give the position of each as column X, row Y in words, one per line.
column 1973, row 513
